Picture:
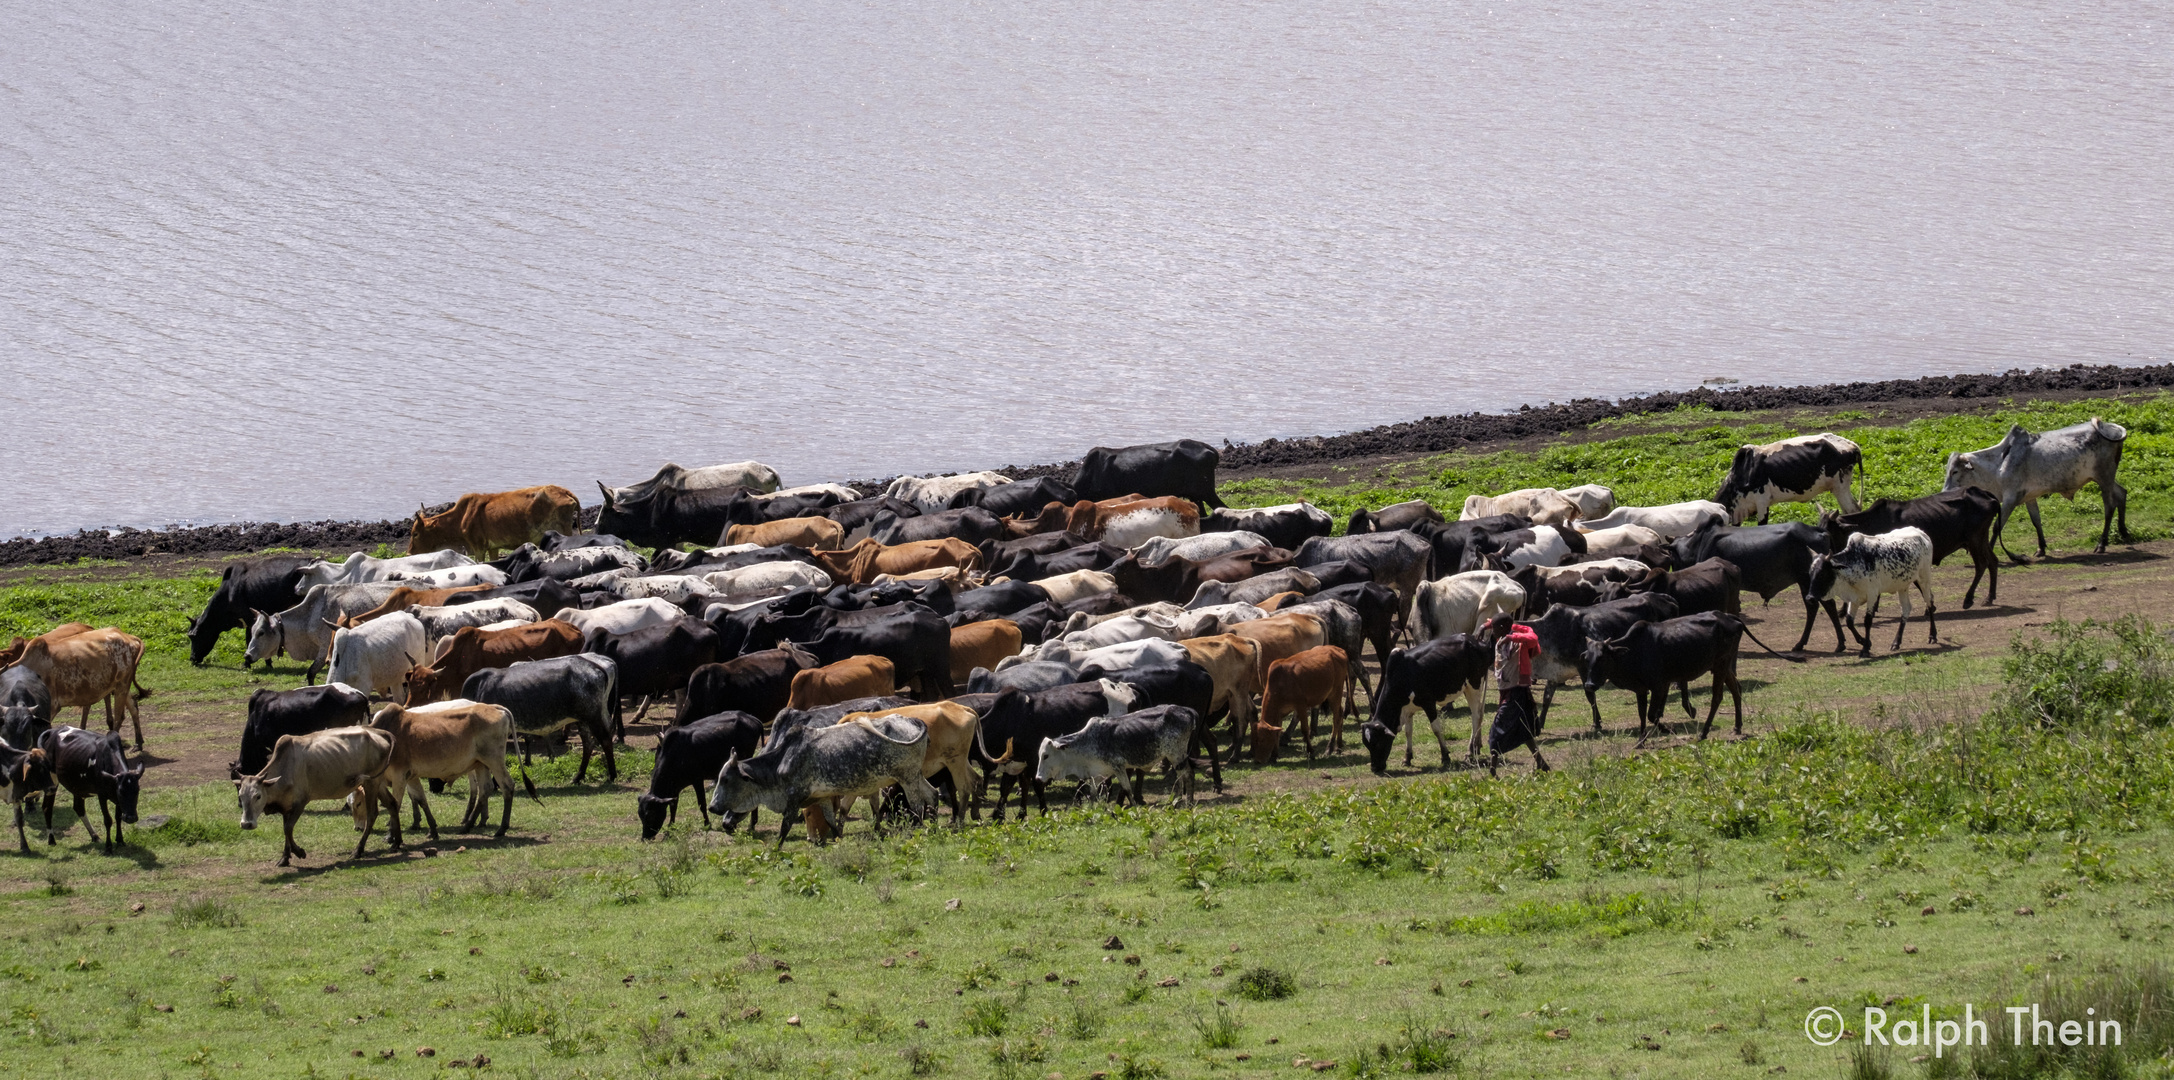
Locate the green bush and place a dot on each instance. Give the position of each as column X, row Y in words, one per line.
column 1264, row 984
column 2091, row 672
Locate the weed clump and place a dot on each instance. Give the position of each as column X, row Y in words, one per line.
column 210, row 911
column 1264, row 984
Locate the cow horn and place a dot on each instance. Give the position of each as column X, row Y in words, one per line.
column 607, row 495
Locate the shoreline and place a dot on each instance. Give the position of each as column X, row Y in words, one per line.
column 1413, row 438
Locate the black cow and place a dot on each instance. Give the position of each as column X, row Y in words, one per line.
column 1024, row 719
column 274, row 713
column 1547, row 545
column 1282, row 526
column 914, row 639
column 87, row 765
column 1037, row 621
column 1400, row 560
column 997, row 554
column 1713, row 585
column 1404, row 515
column 1088, row 556
column 547, row 695
column 1649, row 657
column 1185, row 468
column 1792, row 470
column 558, row 541
column 1564, row 630
column 1378, row 612
column 971, row 524
column 654, row 662
column 1337, row 573
column 691, row 755
column 736, row 628
column 1020, row 498
column 1449, row 539
column 1956, row 520
column 861, row 512
column 1183, row 683
column 1425, row 675
column 271, row 583
column 995, row 601
column 759, row 683
column 668, row 517
column 26, row 707
column 1770, row 558
column 1031, row 676
column 931, row 594
column 1177, row 580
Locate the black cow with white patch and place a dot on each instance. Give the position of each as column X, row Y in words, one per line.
column 26, row 707
column 1185, row 468
column 1449, row 539
column 1792, row 470
column 1285, row 526
column 277, row 713
column 1025, row 719
column 271, row 583
column 690, row 755
column 546, row 695
column 1769, row 558
column 1424, row 675
column 91, row 765
column 1959, row 520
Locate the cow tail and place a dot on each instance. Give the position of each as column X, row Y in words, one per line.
column 1755, row 640
column 522, row 765
column 134, row 666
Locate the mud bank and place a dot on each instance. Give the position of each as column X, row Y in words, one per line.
column 1429, row 435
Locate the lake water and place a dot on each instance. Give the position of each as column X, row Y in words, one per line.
column 291, row 260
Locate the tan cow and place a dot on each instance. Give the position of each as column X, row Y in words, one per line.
column 982, row 644
column 1281, row 636
column 446, row 741
column 859, row 564
column 1300, row 685
column 404, row 598
column 1545, row 506
column 1235, row 664
column 1277, row 601
column 813, row 533
column 331, row 764
column 852, row 677
column 951, row 731
column 473, row 648
column 1070, row 588
column 85, row 668
column 482, row 524
column 14, row 652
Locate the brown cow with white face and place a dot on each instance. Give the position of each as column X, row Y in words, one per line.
column 483, row 524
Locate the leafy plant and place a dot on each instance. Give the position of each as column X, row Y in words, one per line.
column 1264, row 984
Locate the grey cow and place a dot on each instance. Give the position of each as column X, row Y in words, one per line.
column 302, row 632
column 2023, row 467
column 810, row 765
column 1125, row 747
column 1397, row 559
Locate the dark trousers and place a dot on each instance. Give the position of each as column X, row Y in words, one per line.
column 1517, row 721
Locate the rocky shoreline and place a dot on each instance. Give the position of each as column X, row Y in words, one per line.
column 1428, row 435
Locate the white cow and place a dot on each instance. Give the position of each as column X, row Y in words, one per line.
column 1161, row 549
column 377, row 656
column 1593, row 500
column 1228, row 615
column 763, row 579
column 359, row 567
column 933, row 493
column 2022, row 467
column 1111, row 659
column 1130, row 530
column 1462, row 603
column 440, row 623
column 1621, row 536
column 624, row 617
column 1869, row 567
column 1126, row 628
column 1545, row 506
column 1671, row 521
column 301, row 632
column 1076, row 586
column 747, row 474
column 452, row 577
column 1541, row 545
column 844, row 493
column 675, row 588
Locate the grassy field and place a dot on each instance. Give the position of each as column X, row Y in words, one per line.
column 1671, row 913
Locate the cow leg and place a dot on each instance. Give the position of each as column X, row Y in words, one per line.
column 1924, row 585
column 1041, row 799
column 1538, row 762
column 1685, row 688
column 2120, row 509
column 611, row 764
column 962, row 780
column 1811, row 618
column 105, row 814
column 309, row 675
column 587, row 747
column 21, row 837
column 702, row 803
column 1476, row 696
column 289, row 848
column 1003, row 792
column 1304, row 723
column 1872, row 610
column 1736, row 691
column 2037, row 526
column 1977, row 573
column 50, row 839
column 641, row 709
column 85, row 819
column 1904, row 622
column 428, row 814
column 1642, row 718
column 1711, row 709
column 785, row 826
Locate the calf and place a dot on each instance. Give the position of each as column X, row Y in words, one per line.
column 446, row 741
column 1022, row 720
column 1869, row 567
column 1955, row 520
column 1770, row 558
column 842, row 762
column 1792, row 470
column 1463, row 603
column 1129, row 744
column 328, row 764
column 1391, row 518
column 275, row 714
column 27, row 774
column 93, row 765
column 547, row 695
column 83, row 669
column 377, row 656
column 1345, row 629
column 1281, row 636
column 688, row 755
column 853, row 677
column 472, row 649
column 1300, row 685
column 758, row 683
column 1649, row 657
column 1425, row 675
column 1285, row 526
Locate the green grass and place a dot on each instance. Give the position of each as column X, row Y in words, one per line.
column 1686, row 457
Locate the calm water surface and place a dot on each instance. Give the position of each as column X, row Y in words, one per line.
column 298, row 260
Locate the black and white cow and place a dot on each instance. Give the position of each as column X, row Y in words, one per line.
column 1024, row 719
column 1869, row 567
column 1285, row 526
column 546, row 695
column 274, row 713
column 1956, row 520
column 266, row 584
column 1425, row 675
column 529, row 562
column 1792, row 470
column 26, row 707
column 841, row 762
column 1185, row 468
column 91, row 765
column 1541, row 545
column 2022, row 467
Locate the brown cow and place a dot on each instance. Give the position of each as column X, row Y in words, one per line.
column 1301, row 685
column 859, row 564
column 472, row 649
column 1234, row 663
column 1280, row 599
column 1092, row 519
column 982, row 644
column 1055, row 517
column 813, row 533
column 1281, row 636
column 852, row 677
column 951, row 731
column 404, row 598
column 14, row 652
column 445, row 742
column 480, row 525
column 86, row 668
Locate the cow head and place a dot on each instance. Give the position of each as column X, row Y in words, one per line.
column 1823, row 575
column 738, row 791
column 1597, row 663
column 652, row 810
column 127, row 787
column 251, row 792
column 1379, row 739
column 266, row 638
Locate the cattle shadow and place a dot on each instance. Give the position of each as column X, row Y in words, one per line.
column 378, row 855
column 2113, row 556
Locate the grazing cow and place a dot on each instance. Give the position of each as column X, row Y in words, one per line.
column 1870, row 566
column 1541, row 545
column 1650, row 657
column 1199, row 548
column 1713, row 585
column 440, row 623
column 277, row 713
column 790, row 720
column 531, row 564
column 971, row 524
column 83, row 669
column 27, row 775
column 546, row 695
column 377, row 656
column 1300, row 685
column 1185, row 469
column 328, row 764
column 247, row 586
column 813, row 533
column 1956, row 520
column 481, row 525
column 92, row 765
column 1396, row 517
column 1184, row 683
column 1579, row 584
column 759, row 683
column 1077, row 585
column 1671, row 521
column 444, row 742
column 655, row 662
column 1770, row 558
column 690, row 755
column 1545, row 506
column 930, row 494
column 1285, row 526
column 860, row 563
column 951, row 731
column 1462, row 603
column 359, row 568
column 304, row 632
column 843, row 680
column 1563, row 631
column 1792, row 470
column 1030, row 676
column 473, row 648
column 817, row 765
column 26, row 707
column 1023, row 720
column 751, row 475
column 982, row 644
column 2022, row 467
column 1017, row 497
column 1425, row 675
column 1123, row 747
column 1593, row 500
column 1396, row 559
column 1254, row 590
column 624, row 617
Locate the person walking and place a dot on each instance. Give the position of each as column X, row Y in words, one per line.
column 1517, row 719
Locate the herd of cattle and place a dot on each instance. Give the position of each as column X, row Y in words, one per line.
column 836, row 645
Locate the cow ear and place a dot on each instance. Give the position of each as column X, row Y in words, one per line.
column 268, row 781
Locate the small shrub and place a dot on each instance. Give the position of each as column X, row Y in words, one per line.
column 1749, row 1053
column 1131, row 1066
column 987, row 1017
column 1264, row 984
column 1085, row 1021
column 206, row 911
column 1218, row 1030
column 921, row 1061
